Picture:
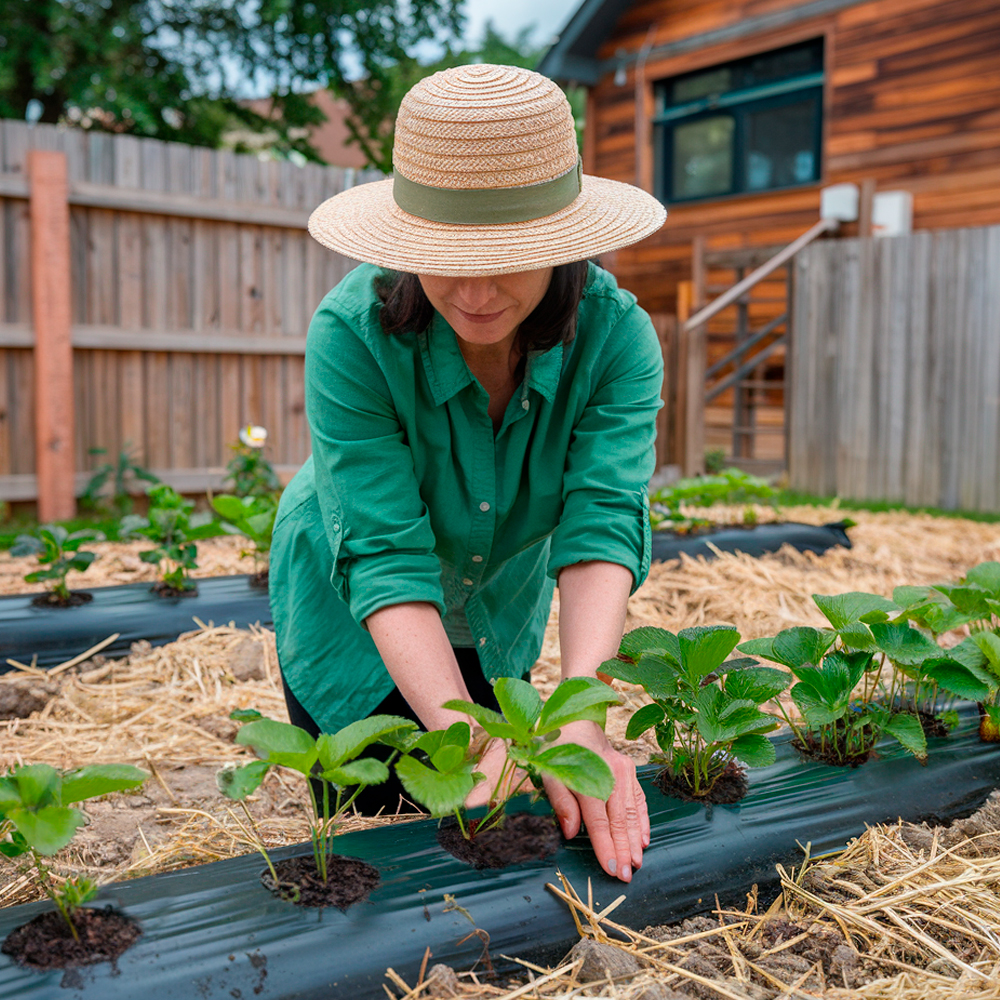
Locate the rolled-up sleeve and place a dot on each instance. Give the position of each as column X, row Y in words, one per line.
column 375, row 519
column 605, row 513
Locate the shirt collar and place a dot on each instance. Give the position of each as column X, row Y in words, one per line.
column 543, row 371
column 448, row 374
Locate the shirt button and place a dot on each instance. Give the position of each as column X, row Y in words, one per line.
column 525, row 404
column 482, row 641
column 477, row 558
column 467, row 582
column 484, row 506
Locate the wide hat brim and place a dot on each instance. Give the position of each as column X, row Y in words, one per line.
column 365, row 223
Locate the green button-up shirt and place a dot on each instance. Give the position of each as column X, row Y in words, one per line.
column 410, row 495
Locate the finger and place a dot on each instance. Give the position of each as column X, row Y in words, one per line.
column 612, row 852
column 634, row 803
column 565, row 806
column 623, row 817
column 643, row 815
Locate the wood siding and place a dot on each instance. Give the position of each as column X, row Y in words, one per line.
column 911, row 101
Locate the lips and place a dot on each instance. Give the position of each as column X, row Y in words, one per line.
column 479, row 317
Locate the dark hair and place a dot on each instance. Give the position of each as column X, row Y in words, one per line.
column 406, row 309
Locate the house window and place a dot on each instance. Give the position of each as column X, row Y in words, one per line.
column 750, row 125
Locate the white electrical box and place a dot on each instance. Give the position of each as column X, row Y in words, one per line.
column 892, row 213
column 840, row 202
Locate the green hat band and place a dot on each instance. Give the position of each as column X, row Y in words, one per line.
column 487, row 206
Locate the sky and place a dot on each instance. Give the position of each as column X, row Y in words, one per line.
column 509, row 16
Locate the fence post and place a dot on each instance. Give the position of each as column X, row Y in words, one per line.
column 691, row 388
column 53, row 356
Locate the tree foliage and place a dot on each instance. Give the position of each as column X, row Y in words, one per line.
column 175, row 69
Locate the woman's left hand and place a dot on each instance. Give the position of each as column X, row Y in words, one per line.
column 618, row 828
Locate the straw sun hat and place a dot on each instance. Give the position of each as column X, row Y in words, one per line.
column 486, row 180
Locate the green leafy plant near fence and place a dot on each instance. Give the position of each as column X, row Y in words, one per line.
column 730, row 486
column 705, row 712
column 174, row 529
column 37, row 815
column 439, row 771
column 253, row 517
column 250, row 474
column 113, row 483
column 58, row 551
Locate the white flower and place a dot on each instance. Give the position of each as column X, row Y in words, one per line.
column 253, row 436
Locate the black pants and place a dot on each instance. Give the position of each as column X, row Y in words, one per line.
column 387, row 796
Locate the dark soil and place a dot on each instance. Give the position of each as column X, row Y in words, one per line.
column 259, row 580
column 814, row 751
column 47, row 943
column 162, row 590
column 931, row 725
column 730, row 787
column 20, row 696
column 350, row 881
column 50, row 600
column 522, row 837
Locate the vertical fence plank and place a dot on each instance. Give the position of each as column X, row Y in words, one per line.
column 918, row 376
column 156, row 284
column 180, row 179
column 129, row 244
column 50, row 264
column 989, row 463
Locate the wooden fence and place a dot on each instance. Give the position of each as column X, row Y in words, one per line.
column 191, row 280
column 895, row 370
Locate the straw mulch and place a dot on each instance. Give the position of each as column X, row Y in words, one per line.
column 906, row 913
column 167, row 709
column 164, row 709
column 119, row 562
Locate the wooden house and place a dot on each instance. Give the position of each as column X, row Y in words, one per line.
column 737, row 113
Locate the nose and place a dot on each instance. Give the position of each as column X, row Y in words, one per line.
column 474, row 294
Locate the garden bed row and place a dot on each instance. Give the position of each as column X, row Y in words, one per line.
column 216, row 932
column 30, row 631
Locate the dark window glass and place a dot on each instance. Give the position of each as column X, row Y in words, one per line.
column 703, row 157
column 750, row 125
column 781, row 145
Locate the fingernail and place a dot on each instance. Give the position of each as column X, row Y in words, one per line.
column 626, row 873
column 613, row 866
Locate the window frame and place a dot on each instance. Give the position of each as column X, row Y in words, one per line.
column 741, row 103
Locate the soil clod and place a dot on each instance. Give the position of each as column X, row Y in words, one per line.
column 522, row 837
column 163, row 590
column 830, row 754
column 46, row 941
column 350, row 881
column 730, row 787
column 49, row 600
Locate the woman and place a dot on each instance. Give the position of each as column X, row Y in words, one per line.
column 482, row 404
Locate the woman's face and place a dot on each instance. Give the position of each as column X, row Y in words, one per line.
column 487, row 310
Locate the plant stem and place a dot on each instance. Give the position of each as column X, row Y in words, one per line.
column 260, row 843
column 53, row 893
